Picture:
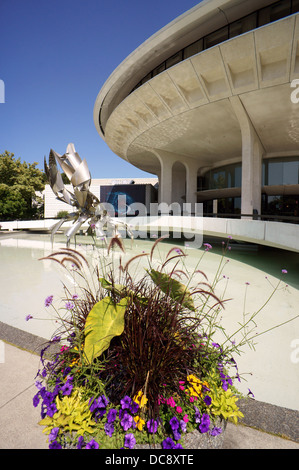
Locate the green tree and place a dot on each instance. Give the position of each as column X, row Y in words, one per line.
column 18, row 183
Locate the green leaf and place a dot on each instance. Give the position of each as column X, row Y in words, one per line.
column 104, row 321
column 106, row 284
column 175, row 289
column 116, row 288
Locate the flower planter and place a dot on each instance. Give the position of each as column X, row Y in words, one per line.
column 196, row 440
column 146, row 338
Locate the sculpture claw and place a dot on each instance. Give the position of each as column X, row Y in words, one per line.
column 87, row 204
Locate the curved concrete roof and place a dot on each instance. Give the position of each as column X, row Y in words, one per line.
column 206, row 17
column 189, row 110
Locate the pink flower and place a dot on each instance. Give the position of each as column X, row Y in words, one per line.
column 192, row 399
column 185, row 418
column 179, row 409
column 161, row 400
column 170, row 401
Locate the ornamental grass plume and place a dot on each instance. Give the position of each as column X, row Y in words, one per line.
column 138, row 355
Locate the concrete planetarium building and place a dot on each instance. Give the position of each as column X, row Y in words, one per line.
column 209, row 104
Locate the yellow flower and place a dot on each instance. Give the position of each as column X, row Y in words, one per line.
column 140, row 399
column 196, row 386
column 139, row 422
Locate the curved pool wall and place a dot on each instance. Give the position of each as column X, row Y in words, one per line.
column 271, row 370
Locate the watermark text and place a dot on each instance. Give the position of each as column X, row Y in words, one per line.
column 295, row 353
column 2, row 91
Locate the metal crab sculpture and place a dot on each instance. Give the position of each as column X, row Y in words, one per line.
column 87, row 206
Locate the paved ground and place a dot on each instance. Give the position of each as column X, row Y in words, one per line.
column 19, row 419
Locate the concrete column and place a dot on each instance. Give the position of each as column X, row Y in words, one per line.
column 191, row 182
column 178, row 183
column 252, row 152
column 215, row 206
column 165, row 181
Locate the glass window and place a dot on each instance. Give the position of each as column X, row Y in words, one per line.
column 264, row 16
column 238, row 176
column 229, row 179
column 274, row 172
column 277, row 172
column 243, row 25
column 219, row 180
column 295, row 6
column 290, row 172
column 216, row 38
column 174, row 59
column 193, row 49
column 274, row 12
column 146, row 78
column 280, row 10
column 159, row 69
column 264, row 172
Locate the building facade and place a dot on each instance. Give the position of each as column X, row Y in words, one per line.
column 106, row 190
column 209, row 104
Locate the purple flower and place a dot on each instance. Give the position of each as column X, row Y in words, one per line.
column 111, row 416
column 130, row 440
column 80, row 442
column 56, row 338
column 152, row 426
column 98, row 405
column 215, row 431
column 69, row 305
column 92, row 444
column 250, row 393
column 67, row 388
column 168, row 443
column 99, row 413
column 207, row 400
column 53, row 434
column 174, row 423
column 178, row 446
column 48, row 300
column 28, row 317
column 197, row 416
column 127, row 421
column 48, row 397
column 183, row 425
column 284, row 271
column 51, row 410
column 93, row 404
column 126, row 402
column 109, row 429
column 177, row 436
column 75, row 296
column 102, row 401
column 54, row 445
column 208, row 246
column 36, row 400
column 134, row 407
column 38, row 385
column 204, row 423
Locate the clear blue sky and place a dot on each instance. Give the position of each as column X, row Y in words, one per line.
column 55, row 56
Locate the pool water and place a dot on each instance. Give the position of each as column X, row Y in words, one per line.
column 249, row 271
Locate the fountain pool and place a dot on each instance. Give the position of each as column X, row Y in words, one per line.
column 271, row 370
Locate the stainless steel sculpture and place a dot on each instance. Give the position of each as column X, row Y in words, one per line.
column 87, row 206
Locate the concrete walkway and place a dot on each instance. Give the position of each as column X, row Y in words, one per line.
column 19, row 419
